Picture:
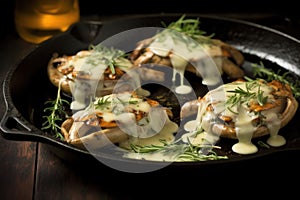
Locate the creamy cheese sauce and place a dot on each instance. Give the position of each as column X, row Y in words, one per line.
column 83, row 88
column 274, row 140
column 199, row 139
column 115, row 104
column 93, row 64
column 121, row 107
column 244, row 131
column 192, row 125
column 146, row 127
column 167, row 134
column 183, row 89
column 179, row 64
column 174, row 44
column 239, row 113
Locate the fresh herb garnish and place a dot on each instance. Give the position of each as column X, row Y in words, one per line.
column 56, row 115
column 183, row 152
column 241, row 95
column 189, row 27
column 261, row 99
column 259, row 70
column 184, row 31
column 102, row 102
column 107, row 56
column 263, row 144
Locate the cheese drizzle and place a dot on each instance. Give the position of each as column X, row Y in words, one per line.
column 233, row 100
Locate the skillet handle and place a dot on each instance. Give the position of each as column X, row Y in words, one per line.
column 14, row 127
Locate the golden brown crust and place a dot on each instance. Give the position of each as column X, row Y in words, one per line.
column 102, row 133
column 100, row 138
column 229, row 59
column 56, row 76
column 59, row 74
column 230, row 132
column 284, row 104
column 286, row 107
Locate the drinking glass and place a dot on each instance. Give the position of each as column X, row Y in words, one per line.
column 38, row 20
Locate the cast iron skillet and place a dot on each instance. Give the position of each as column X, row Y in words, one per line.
column 27, row 86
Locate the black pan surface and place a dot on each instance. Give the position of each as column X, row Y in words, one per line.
column 27, row 86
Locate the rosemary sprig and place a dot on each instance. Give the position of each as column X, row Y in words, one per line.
column 263, row 144
column 244, row 95
column 185, row 31
column 261, row 99
column 148, row 148
column 181, row 151
column 111, row 52
column 55, row 110
column 102, row 102
column 259, row 70
column 107, row 56
column 189, row 27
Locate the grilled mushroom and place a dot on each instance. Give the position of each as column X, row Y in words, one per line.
column 244, row 110
column 97, row 72
column 116, row 118
column 184, row 47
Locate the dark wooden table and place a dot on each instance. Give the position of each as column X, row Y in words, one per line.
column 31, row 170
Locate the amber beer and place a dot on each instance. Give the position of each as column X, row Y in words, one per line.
column 38, row 20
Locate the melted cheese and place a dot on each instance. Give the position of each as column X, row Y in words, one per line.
column 244, row 130
column 122, row 108
column 274, row 140
column 93, row 64
column 166, row 133
column 115, row 104
column 182, row 50
column 239, row 113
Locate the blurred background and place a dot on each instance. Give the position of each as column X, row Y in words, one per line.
column 255, row 10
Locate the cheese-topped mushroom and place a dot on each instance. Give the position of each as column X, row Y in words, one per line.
column 96, row 72
column 117, row 118
column 244, row 110
column 183, row 46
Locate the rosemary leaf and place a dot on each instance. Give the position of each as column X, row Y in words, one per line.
column 181, row 151
column 241, row 95
column 260, row 71
column 190, row 28
column 55, row 110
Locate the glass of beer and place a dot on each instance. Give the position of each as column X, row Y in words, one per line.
column 38, row 20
